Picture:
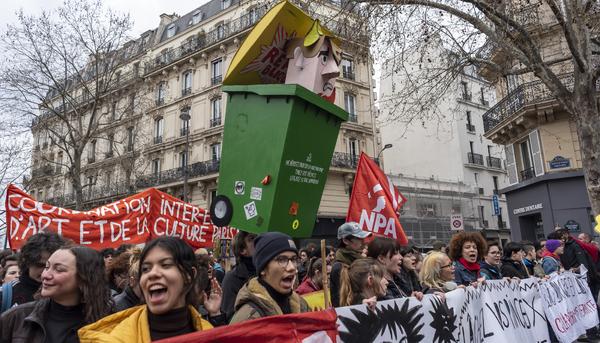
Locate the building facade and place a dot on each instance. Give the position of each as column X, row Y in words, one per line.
column 447, row 146
column 546, row 187
column 179, row 115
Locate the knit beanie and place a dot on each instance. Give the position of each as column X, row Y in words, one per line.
column 552, row 245
column 268, row 245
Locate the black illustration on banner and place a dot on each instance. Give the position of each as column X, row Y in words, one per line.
column 443, row 321
column 401, row 324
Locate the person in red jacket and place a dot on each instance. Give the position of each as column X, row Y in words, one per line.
column 314, row 277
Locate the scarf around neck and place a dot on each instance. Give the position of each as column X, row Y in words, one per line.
column 473, row 267
column 546, row 253
column 347, row 256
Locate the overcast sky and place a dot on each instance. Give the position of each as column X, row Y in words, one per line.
column 145, row 13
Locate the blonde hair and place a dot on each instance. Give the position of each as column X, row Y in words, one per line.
column 353, row 280
column 431, row 269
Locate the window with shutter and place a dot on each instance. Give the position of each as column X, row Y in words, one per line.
column 511, row 165
column 536, row 153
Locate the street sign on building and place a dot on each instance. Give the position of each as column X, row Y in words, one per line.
column 456, row 222
column 496, row 204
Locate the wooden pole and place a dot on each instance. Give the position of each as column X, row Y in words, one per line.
column 324, row 273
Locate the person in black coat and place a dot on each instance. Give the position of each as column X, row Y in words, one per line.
column 573, row 257
column 408, row 279
column 512, row 265
column 244, row 270
column 490, row 266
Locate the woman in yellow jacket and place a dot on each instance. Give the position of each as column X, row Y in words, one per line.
column 167, row 278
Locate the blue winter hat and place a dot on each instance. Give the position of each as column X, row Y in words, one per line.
column 268, row 245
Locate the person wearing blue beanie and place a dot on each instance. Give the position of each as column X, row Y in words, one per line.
column 272, row 291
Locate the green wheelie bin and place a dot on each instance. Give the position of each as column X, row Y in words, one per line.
column 277, row 146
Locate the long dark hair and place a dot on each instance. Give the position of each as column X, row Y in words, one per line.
column 184, row 259
column 95, row 294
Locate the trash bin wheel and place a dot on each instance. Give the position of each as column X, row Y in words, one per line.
column 221, row 211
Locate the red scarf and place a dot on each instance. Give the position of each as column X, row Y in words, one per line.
column 546, row 253
column 473, row 267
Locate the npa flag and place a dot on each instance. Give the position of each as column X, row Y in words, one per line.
column 375, row 202
column 132, row 220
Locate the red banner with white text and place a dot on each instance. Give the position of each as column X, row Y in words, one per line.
column 375, row 202
column 132, row 220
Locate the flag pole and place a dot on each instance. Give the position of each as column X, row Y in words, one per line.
column 324, row 273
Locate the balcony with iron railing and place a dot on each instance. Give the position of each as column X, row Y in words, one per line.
column 212, row 37
column 470, row 127
column 216, row 121
column 42, row 171
column 70, row 101
column 527, row 174
column 494, row 162
column 348, row 74
column 522, row 98
column 216, row 80
column 352, row 118
column 158, row 139
column 474, row 158
column 176, row 174
column 186, row 91
column 159, row 101
column 184, row 131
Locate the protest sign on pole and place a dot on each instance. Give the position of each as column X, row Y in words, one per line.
column 132, row 220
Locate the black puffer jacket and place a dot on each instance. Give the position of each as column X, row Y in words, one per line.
column 511, row 268
column 573, row 256
column 408, row 281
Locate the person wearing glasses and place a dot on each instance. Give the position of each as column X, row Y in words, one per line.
column 437, row 273
column 490, row 266
column 271, row 292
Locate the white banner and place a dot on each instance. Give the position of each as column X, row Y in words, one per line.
column 498, row 311
column 569, row 305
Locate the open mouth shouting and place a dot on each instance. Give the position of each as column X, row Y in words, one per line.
column 157, row 294
column 287, row 282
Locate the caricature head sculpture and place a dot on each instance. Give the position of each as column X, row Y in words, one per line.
column 314, row 62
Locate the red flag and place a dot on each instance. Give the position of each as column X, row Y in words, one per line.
column 310, row 327
column 375, row 202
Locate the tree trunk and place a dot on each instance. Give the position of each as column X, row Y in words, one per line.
column 588, row 128
column 76, row 181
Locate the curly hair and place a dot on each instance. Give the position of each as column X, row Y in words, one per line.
column 95, row 294
column 119, row 265
column 41, row 242
column 458, row 240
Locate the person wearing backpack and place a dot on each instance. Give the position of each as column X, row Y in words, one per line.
column 32, row 261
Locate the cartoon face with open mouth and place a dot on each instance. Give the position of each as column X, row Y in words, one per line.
column 315, row 67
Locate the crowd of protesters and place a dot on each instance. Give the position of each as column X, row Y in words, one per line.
column 55, row 291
